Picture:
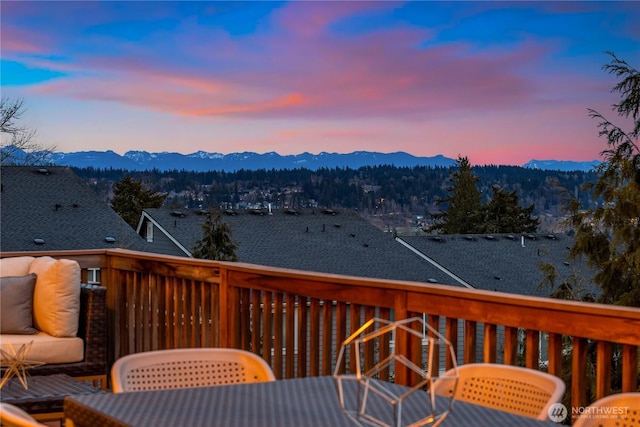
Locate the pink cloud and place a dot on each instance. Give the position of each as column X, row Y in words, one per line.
column 304, row 71
column 16, row 40
column 380, row 91
column 308, row 19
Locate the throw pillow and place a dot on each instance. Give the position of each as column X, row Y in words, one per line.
column 16, row 304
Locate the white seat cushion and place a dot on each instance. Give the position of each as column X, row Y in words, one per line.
column 46, row 348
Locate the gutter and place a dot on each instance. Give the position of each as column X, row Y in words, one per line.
column 434, row 263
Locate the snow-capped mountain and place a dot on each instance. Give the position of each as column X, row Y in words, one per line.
column 203, row 161
column 561, row 165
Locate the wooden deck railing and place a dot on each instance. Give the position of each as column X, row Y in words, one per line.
column 297, row 320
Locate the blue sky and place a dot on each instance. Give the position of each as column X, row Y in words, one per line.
column 499, row 82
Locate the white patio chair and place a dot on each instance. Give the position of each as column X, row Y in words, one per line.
column 12, row 416
column 511, row 389
column 189, row 367
column 621, row 409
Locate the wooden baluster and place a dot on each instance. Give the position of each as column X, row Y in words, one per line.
column 490, row 342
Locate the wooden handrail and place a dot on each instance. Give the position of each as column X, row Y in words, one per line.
column 297, row 320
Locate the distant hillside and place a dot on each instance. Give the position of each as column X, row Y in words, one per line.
column 202, row 161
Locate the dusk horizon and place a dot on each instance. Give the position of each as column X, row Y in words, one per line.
column 496, row 82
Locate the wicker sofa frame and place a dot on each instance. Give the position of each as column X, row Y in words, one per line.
column 92, row 330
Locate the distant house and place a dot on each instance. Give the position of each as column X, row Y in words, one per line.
column 341, row 242
column 320, row 240
column 50, row 208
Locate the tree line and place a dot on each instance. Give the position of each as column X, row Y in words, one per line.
column 371, row 190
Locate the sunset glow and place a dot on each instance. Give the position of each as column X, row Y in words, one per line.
column 499, row 82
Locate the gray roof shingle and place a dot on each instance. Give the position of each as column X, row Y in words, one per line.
column 55, row 205
column 311, row 240
column 501, row 262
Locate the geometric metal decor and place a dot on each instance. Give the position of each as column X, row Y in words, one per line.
column 367, row 399
column 16, row 363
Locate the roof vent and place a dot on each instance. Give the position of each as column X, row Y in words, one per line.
column 230, row 212
column 38, row 241
column 329, row 211
column 566, row 263
column 177, row 213
column 511, row 237
column 110, row 239
column 437, row 239
column 470, row 238
column 531, row 236
column 44, row 171
column 202, row 212
column 292, row 212
column 432, row 281
column 489, row 237
column 551, row 236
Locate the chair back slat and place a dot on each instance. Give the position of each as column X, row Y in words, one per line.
column 186, row 368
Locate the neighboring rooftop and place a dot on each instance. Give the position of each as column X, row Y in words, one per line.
column 326, row 241
column 50, row 208
column 501, row 262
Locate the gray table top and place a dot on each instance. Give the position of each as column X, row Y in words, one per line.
column 45, row 393
column 295, row 402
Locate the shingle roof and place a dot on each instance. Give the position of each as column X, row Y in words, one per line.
column 53, row 204
column 501, row 262
column 338, row 242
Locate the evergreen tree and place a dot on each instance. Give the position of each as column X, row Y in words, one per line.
column 608, row 236
column 130, row 199
column 503, row 214
column 463, row 204
column 216, row 240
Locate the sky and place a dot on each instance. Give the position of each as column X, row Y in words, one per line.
column 497, row 82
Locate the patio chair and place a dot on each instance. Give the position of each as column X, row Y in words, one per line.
column 621, row 409
column 189, row 367
column 513, row 389
column 12, row 416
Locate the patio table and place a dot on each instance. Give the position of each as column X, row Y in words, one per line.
column 45, row 396
column 293, row 402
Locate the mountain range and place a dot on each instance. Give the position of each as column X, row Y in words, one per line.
column 205, row 161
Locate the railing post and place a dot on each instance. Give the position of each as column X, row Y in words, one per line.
column 490, row 340
column 402, row 339
column 470, row 344
column 532, row 349
column 225, row 317
column 510, row 346
column 555, row 354
column 451, row 333
column 579, row 373
column 603, row 369
column 629, row 368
